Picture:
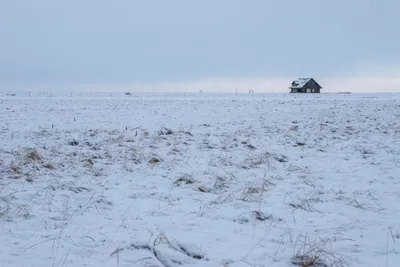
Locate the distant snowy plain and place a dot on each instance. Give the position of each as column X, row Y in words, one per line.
column 110, row 179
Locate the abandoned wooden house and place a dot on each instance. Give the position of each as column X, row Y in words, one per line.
column 305, row 85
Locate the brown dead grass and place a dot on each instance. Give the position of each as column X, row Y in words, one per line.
column 185, row 180
column 316, row 254
column 49, row 166
column 15, row 169
column 203, row 189
column 32, row 155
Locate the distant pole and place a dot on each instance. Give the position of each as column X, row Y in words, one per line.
column 235, row 91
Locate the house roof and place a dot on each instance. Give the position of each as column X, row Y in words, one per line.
column 299, row 83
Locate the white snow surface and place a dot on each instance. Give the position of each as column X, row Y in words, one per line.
column 199, row 180
column 299, row 83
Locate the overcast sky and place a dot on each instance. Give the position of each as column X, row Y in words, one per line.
column 194, row 42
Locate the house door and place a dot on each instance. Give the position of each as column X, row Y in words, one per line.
column 308, row 90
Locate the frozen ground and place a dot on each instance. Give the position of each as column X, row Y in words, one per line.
column 199, row 180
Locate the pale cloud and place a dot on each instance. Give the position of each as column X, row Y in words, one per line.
column 376, row 83
column 364, row 84
column 361, row 78
column 139, row 45
column 366, row 78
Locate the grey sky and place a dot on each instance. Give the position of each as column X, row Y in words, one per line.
column 128, row 41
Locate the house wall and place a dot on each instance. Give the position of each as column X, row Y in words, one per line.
column 313, row 85
column 306, row 90
column 298, row 90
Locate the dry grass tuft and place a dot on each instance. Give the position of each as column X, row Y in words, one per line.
column 186, row 179
column 154, row 160
column 49, row 166
column 172, row 243
column 258, row 215
column 73, row 143
column 220, row 183
column 316, row 254
column 4, row 209
column 165, row 131
column 305, row 204
column 15, row 169
column 203, row 189
column 88, row 163
column 32, row 155
column 254, row 192
column 7, row 208
column 250, row 194
column 307, row 261
column 257, row 160
column 28, row 158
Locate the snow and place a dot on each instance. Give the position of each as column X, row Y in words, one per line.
column 199, row 179
column 299, row 83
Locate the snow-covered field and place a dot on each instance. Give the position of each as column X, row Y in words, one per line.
column 199, row 180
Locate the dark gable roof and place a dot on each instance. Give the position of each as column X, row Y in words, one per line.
column 301, row 82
